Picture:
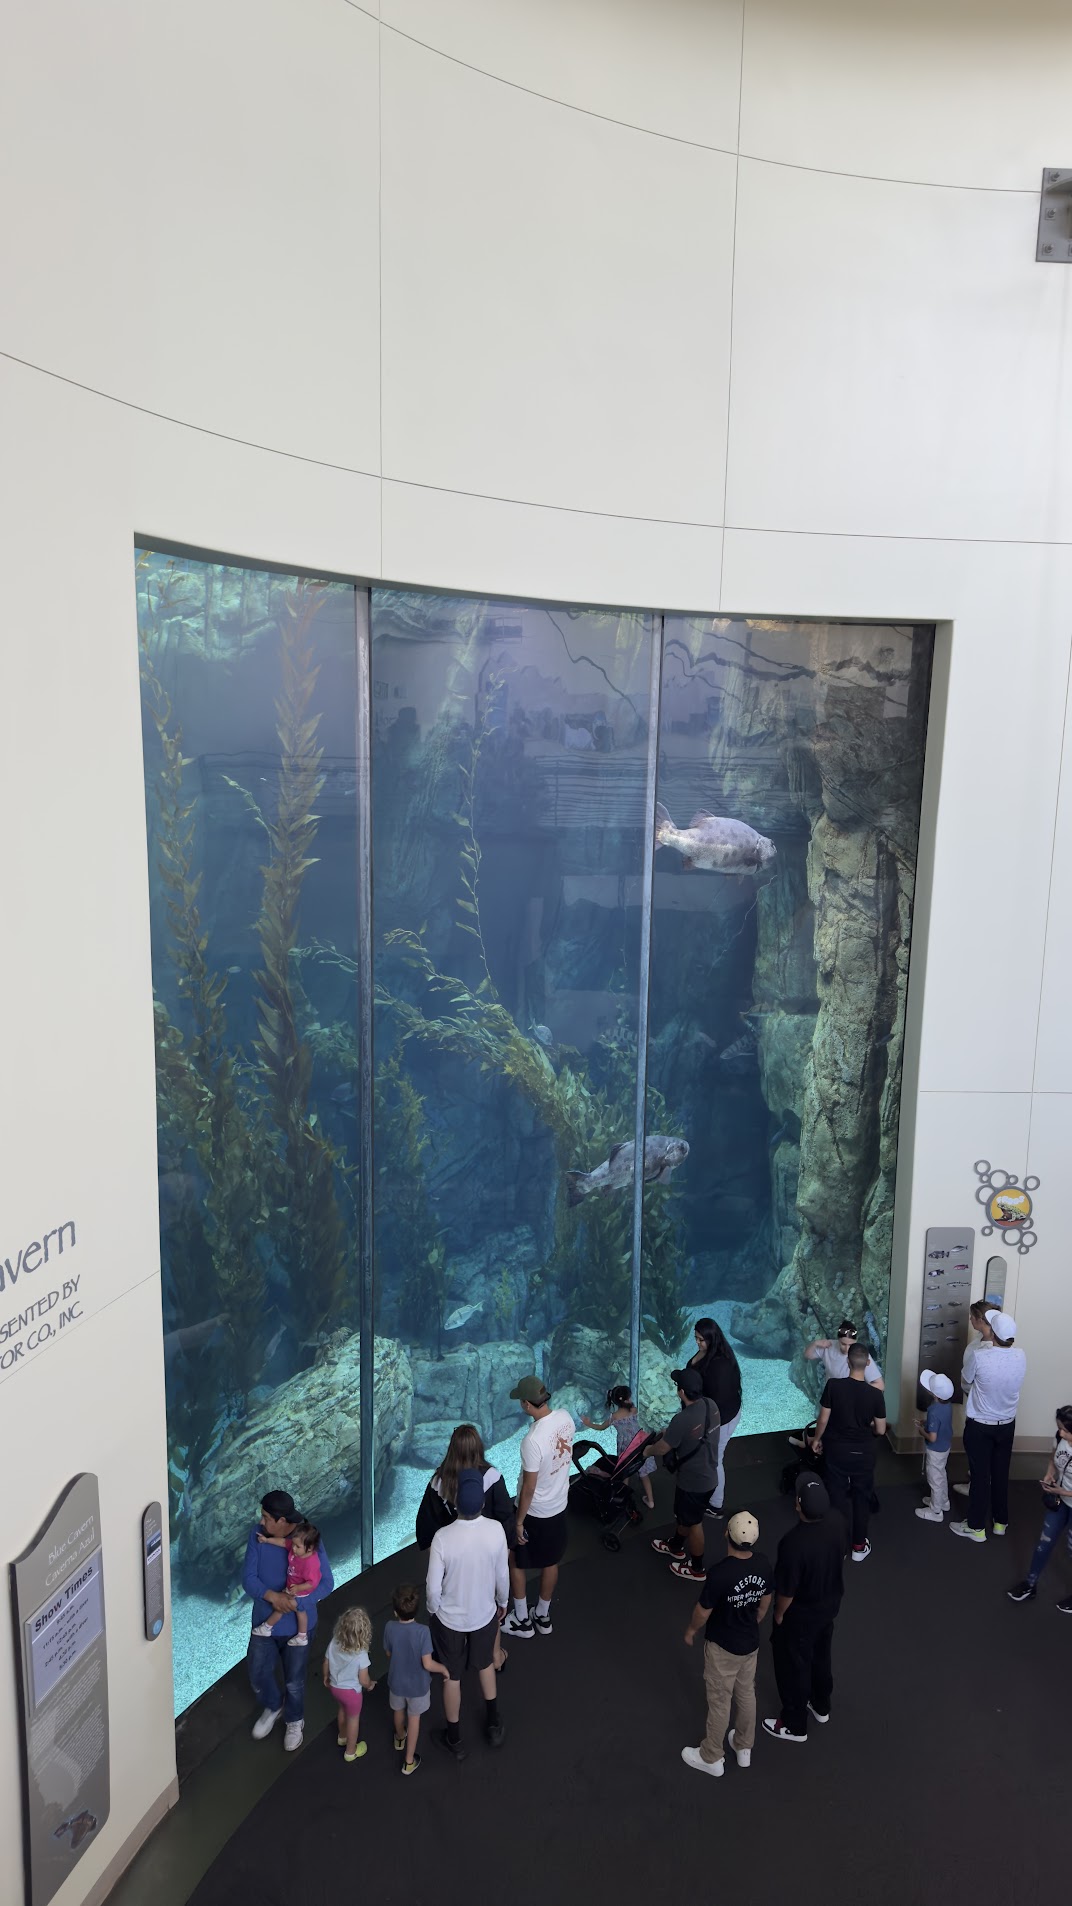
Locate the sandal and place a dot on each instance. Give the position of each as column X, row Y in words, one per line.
column 501, row 1669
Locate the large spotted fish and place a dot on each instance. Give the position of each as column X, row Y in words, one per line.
column 713, row 844
column 616, row 1172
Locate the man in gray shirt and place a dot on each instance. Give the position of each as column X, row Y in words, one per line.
column 467, row 1592
column 690, row 1443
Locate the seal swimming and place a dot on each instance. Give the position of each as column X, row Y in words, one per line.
column 713, row 844
column 616, row 1172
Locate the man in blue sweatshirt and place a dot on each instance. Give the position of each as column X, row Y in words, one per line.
column 264, row 1576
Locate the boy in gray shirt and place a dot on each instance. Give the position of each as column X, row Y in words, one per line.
column 410, row 1667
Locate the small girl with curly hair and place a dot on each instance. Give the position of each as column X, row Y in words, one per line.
column 346, row 1673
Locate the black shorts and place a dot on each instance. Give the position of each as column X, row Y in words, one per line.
column 689, row 1506
column 458, row 1652
column 546, row 1543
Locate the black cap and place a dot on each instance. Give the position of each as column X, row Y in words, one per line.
column 812, row 1496
column 690, row 1383
column 282, row 1506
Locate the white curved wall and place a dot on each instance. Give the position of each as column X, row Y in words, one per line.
column 643, row 301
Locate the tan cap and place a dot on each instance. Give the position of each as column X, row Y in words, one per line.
column 743, row 1530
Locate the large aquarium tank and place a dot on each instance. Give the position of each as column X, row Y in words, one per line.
column 451, row 900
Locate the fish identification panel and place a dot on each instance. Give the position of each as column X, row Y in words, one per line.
column 947, row 1282
column 58, row 1595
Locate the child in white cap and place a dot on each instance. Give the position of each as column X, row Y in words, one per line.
column 937, row 1431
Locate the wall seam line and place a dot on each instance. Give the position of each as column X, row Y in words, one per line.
column 733, row 290
column 674, row 138
column 1049, row 900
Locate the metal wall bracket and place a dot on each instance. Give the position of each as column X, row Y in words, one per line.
column 1055, row 217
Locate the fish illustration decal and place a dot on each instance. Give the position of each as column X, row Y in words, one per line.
column 711, row 844
column 462, row 1315
column 661, row 1154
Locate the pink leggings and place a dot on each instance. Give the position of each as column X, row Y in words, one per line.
column 348, row 1698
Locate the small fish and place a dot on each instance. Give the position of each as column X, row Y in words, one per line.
column 714, row 844
column 661, row 1154
column 740, row 1055
column 543, row 1036
column 192, row 1336
column 344, row 1094
column 233, row 970
column 273, row 1344
column 462, row 1315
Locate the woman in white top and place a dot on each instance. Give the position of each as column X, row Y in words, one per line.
column 1057, row 1484
column 992, row 1376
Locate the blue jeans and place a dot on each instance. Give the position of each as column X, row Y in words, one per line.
column 264, row 1658
column 1053, row 1522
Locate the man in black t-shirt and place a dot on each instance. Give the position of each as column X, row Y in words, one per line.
column 808, row 1585
column 734, row 1600
column 852, row 1418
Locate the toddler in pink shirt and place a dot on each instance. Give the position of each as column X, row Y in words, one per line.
column 303, row 1575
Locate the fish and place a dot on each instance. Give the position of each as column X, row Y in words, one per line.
column 462, row 1315
column 192, row 1336
column 543, row 1036
column 273, row 1344
column 344, row 1094
column 661, row 1154
column 740, row 1055
column 233, row 970
column 713, row 844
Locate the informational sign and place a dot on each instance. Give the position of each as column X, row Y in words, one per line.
column 58, row 1594
column 947, row 1282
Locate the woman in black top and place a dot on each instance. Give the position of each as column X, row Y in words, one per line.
column 721, row 1374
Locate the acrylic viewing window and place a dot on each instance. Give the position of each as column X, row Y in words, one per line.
column 569, row 825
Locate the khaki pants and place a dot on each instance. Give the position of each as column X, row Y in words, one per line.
column 730, row 1680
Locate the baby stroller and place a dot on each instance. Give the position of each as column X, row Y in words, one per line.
column 608, row 1494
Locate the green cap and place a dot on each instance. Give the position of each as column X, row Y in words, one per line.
column 530, row 1390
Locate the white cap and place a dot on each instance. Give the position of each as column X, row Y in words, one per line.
column 1001, row 1324
column 938, row 1385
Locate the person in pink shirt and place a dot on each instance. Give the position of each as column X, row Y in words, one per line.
column 303, row 1575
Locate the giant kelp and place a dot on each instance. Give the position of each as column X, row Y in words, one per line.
column 202, row 1103
column 310, row 1236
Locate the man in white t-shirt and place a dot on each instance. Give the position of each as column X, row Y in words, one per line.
column 993, row 1376
column 540, row 1539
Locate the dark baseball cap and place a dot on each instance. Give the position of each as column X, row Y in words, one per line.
column 282, row 1506
column 812, row 1497
column 690, row 1383
column 470, row 1493
column 530, row 1390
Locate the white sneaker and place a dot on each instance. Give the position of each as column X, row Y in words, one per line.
column 268, row 1718
column 744, row 1754
column 962, row 1488
column 692, row 1757
column 816, row 1716
column 521, row 1630
column 973, row 1535
column 294, row 1735
column 298, row 1641
column 263, row 1628
column 931, row 1515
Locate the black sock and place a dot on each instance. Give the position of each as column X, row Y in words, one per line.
column 454, row 1732
column 676, row 1545
column 492, row 1713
